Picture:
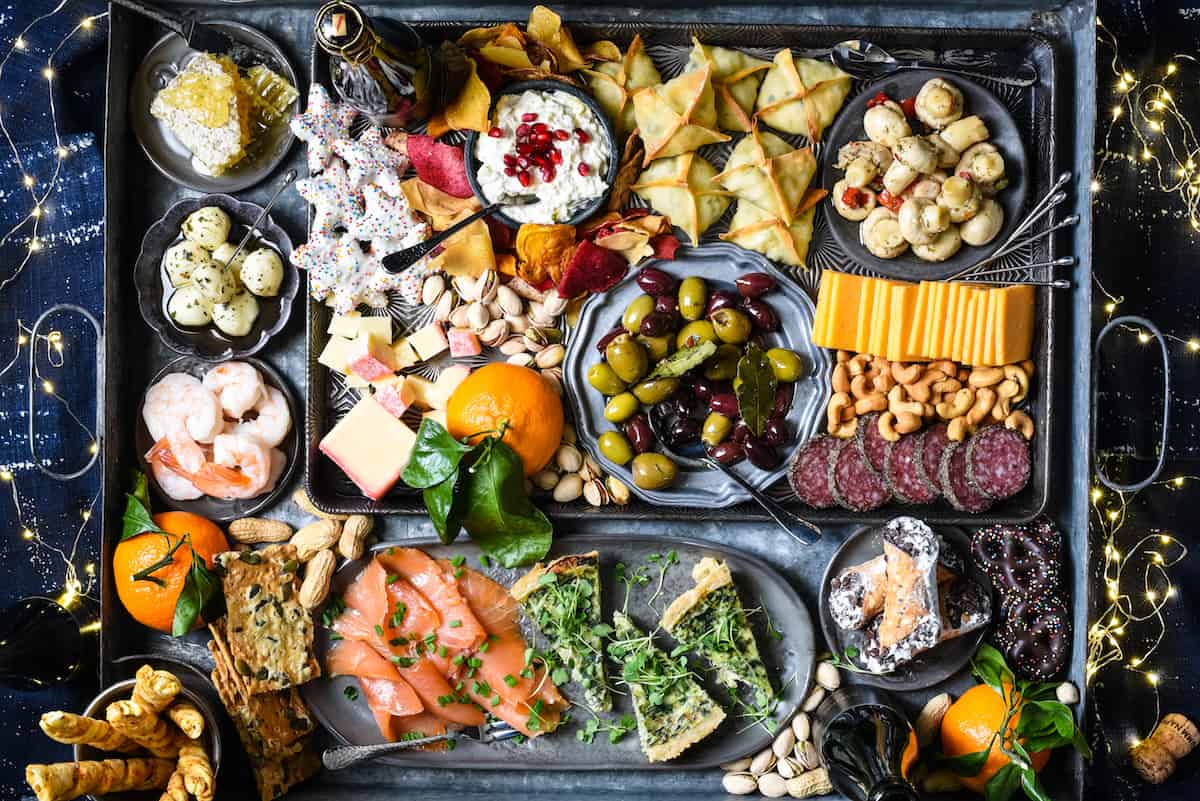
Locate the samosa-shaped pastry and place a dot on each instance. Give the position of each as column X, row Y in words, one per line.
column 801, row 96
column 615, row 78
column 770, row 173
column 684, row 189
column 735, row 80
column 763, row 232
column 678, row 116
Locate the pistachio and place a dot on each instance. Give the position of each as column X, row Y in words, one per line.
column 568, row 458
column 478, row 316
column 814, row 699
column 617, row 490
column 594, row 492
column 521, row 359
column 591, row 468
column 801, row 726
column 486, row 286
column 569, row 488
column 787, row 768
column 554, row 304
column 806, row 755
column 538, row 338
column 512, row 345
column 784, row 742
column 494, row 333
column 517, row 323
column 494, row 309
column 737, row 766
column 464, row 285
column 444, row 308
column 509, row 301
column 458, row 317
column 772, row 785
column 538, row 315
column 739, row 783
column 554, row 379
column 763, row 761
column 550, row 356
column 545, row 479
column 432, row 289
column 929, row 722
column 828, row 676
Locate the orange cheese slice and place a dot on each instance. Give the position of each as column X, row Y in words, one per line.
column 979, row 337
column 915, row 337
column 1014, row 323
column 901, row 320
column 964, row 326
column 866, row 312
column 880, row 319
column 821, row 315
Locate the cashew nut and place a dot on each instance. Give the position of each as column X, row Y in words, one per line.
column 859, row 387
column 845, row 430
column 958, row 429
column 1007, row 389
column 963, row 374
column 883, row 382
column 946, row 386
column 958, row 405
column 841, row 378
column 922, row 389
column 1019, row 421
column 1027, row 366
column 898, row 405
column 837, row 403
column 985, row 399
column 1014, row 372
column 858, row 364
column 906, row 373
column 1002, row 409
column 945, row 367
column 887, row 427
column 843, row 356
column 986, row 376
column 927, row 410
column 872, row 403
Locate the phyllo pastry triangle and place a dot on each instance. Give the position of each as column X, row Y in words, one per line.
column 801, row 96
column 735, row 80
column 678, row 116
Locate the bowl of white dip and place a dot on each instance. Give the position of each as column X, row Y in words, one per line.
column 547, row 139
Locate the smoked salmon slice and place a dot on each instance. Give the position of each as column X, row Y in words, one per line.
column 459, row 626
column 412, row 727
column 386, row 692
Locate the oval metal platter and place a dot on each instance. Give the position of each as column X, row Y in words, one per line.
column 788, row 654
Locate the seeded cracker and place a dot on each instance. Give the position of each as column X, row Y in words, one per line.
column 270, row 635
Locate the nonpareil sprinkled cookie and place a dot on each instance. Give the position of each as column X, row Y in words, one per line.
column 322, row 123
column 315, row 257
column 348, row 276
column 372, row 162
column 387, row 222
column 406, row 282
column 336, row 201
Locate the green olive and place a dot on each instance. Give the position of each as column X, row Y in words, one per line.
column 635, row 311
column 732, row 325
column 615, row 446
column 659, row 348
column 621, row 407
column 627, row 358
column 716, row 428
column 786, row 364
column 605, row 379
column 653, row 471
column 693, row 297
column 722, row 365
column 694, row 333
column 655, row 390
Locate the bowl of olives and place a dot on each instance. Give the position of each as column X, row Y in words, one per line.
column 715, row 349
column 202, row 296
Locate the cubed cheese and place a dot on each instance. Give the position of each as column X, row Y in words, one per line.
column 423, row 391
column 379, row 327
column 370, row 446
column 396, row 395
column 335, row 354
column 345, row 325
column 463, row 342
column 371, row 357
column 429, row 341
column 404, row 354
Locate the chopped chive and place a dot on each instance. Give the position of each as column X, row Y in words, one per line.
column 510, row 680
column 454, row 624
column 459, row 659
column 485, row 560
column 379, row 629
column 458, row 560
column 443, row 651
column 458, row 572
column 351, row 693
column 392, row 578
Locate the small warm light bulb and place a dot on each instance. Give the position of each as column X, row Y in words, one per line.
column 27, row 533
column 1171, row 68
column 86, row 514
column 1194, row 344
column 37, row 212
column 28, row 180
column 1110, row 307
column 1095, row 185
column 1112, row 515
column 90, row 568
column 1179, row 479
column 1147, row 154
column 1163, row 538
column 1166, row 95
column 86, row 24
column 1116, row 112
column 1097, row 494
column 61, row 152
column 48, row 73
column 47, row 387
column 1157, row 105
column 1152, row 596
column 19, row 43
column 1143, row 337
column 1127, row 76
column 22, row 339
column 1155, row 125
column 5, row 475
column 1152, row 678
column 35, row 245
column 1122, row 85
column 1134, row 742
column 1137, row 660
column 95, row 446
column 1170, row 592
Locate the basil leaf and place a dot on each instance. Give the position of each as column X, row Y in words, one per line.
column 446, row 517
column 683, row 360
column 755, row 389
column 989, row 666
column 1003, row 784
column 136, row 519
column 968, row 764
column 435, row 457
column 497, row 513
column 200, row 587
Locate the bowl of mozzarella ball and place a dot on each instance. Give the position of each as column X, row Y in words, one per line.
column 205, row 293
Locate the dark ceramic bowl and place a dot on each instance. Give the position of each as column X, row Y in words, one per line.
column 222, row 510
column 610, row 175
column 153, row 287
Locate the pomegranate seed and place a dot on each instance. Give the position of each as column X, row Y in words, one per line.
column 509, row 171
column 548, row 174
column 522, row 162
column 495, row 133
column 524, row 178
column 528, row 116
column 584, row 169
column 542, row 136
column 510, row 160
column 583, row 136
column 561, row 135
column 524, row 148
column 522, row 130
column 541, row 127
column 556, row 157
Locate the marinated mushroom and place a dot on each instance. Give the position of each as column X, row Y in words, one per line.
column 922, row 219
column 886, row 123
column 985, row 166
column 939, row 103
column 943, row 247
column 877, row 154
column 880, row 234
column 947, row 156
column 852, row 202
column 860, row 172
column 965, row 132
column 929, row 186
column 961, row 197
column 912, row 156
column 983, row 227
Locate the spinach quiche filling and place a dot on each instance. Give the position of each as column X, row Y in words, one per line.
column 673, row 711
column 709, row 619
column 563, row 600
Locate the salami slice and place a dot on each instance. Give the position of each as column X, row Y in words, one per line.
column 871, row 441
column 956, row 488
column 809, row 472
column 933, row 444
column 905, row 473
column 856, row 485
column 998, row 462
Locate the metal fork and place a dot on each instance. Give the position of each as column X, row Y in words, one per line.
column 350, row 755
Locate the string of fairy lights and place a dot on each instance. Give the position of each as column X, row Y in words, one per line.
column 77, row 581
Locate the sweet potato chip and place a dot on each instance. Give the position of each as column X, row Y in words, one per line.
column 543, row 252
column 627, row 173
column 442, row 209
column 546, row 27
column 469, row 252
column 469, row 111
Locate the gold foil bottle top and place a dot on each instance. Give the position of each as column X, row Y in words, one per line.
column 342, row 30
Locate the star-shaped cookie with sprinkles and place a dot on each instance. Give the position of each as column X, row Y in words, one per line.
column 387, row 222
column 322, row 123
column 372, row 162
column 335, row 200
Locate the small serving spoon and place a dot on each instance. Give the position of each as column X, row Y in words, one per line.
column 401, row 260
column 864, row 59
column 797, row 527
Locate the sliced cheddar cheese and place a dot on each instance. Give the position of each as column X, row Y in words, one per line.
column 866, row 312
column 979, row 337
column 900, row 322
column 989, row 332
column 945, row 341
column 965, row 324
column 1014, row 323
column 880, row 319
column 915, row 335
column 822, row 311
column 842, row 328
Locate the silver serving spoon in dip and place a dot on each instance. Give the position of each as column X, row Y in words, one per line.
column 403, row 259
column 864, row 59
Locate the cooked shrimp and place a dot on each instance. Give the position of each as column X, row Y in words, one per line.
column 239, row 386
column 273, row 420
column 247, row 457
column 278, row 465
column 181, row 401
column 172, row 484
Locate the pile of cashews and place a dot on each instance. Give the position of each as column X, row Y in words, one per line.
column 908, row 395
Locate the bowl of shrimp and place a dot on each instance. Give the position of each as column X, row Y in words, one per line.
column 218, row 440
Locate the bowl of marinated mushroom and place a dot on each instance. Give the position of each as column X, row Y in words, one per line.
column 926, row 175
column 206, row 294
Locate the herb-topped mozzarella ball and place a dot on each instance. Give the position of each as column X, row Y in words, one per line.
column 262, row 273
column 939, row 103
column 236, row 317
column 222, row 254
column 216, row 281
column 182, row 259
column 207, row 227
column 189, row 307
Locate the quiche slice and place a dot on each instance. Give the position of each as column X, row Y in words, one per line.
column 673, row 711
column 563, row 600
column 709, row 619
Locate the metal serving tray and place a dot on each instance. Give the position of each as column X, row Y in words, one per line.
column 1034, row 110
column 136, row 195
